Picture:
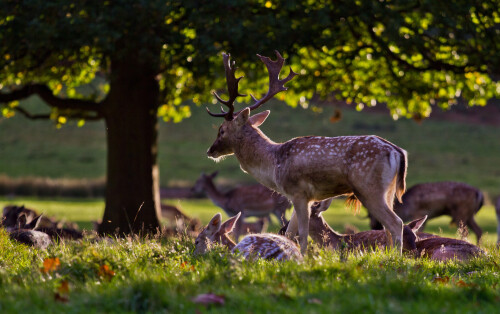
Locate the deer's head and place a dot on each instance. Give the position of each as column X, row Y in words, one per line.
column 215, row 232
column 231, row 132
column 203, row 181
column 410, row 237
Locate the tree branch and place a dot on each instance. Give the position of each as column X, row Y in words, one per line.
column 28, row 115
column 53, row 101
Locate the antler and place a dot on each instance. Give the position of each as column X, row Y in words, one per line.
column 275, row 84
column 232, row 87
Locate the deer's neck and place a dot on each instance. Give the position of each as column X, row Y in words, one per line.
column 323, row 234
column 215, row 195
column 226, row 241
column 256, row 154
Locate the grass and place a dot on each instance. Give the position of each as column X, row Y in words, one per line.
column 162, row 275
column 83, row 211
column 438, row 150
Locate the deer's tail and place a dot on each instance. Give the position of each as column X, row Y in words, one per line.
column 479, row 201
column 401, row 176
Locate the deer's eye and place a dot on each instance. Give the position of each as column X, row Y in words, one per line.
column 221, row 132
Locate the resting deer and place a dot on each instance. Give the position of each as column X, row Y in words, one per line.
column 265, row 245
column 251, row 200
column 55, row 229
column 420, row 243
column 456, row 199
column 24, row 232
column 325, row 236
column 307, row 169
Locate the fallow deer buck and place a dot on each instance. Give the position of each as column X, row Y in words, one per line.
column 456, row 199
column 265, row 245
column 307, row 169
column 252, row 201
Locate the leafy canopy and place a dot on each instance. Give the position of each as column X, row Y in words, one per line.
column 411, row 55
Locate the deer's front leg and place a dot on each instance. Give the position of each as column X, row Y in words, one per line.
column 291, row 230
column 302, row 213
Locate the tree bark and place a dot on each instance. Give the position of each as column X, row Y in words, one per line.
column 130, row 112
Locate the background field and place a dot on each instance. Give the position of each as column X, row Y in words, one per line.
column 438, row 150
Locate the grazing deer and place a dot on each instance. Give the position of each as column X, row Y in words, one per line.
column 497, row 209
column 458, row 200
column 55, row 229
column 24, row 233
column 307, row 169
column 251, row 200
column 266, row 245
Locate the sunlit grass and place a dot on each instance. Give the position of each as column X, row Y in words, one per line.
column 162, row 275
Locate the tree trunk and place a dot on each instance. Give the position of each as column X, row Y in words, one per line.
column 132, row 189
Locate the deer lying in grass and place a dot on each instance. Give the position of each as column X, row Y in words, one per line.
column 458, row 200
column 55, row 229
column 251, row 200
column 307, row 169
column 266, row 245
column 24, row 232
column 419, row 243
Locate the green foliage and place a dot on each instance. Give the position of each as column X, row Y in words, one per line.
column 162, row 275
column 410, row 55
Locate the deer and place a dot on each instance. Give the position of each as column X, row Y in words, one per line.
column 251, row 200
column 265, row 245
column 322, row 234
column 55, row 229
column 421, row 244
column 369, row 169
column 456, row 199
column 25, row 232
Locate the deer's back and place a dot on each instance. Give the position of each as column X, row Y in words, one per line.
column 254, row 200
column 442, row 249
column 438, row 198
column 31, row 237
column 268, row 246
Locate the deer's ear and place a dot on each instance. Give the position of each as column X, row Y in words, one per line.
column 257, row 119
column 242, row 117
column 417, row 223
column 228, row 225
column 33, row 225
column 214, row 224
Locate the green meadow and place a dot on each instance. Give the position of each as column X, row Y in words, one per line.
column 161, row 275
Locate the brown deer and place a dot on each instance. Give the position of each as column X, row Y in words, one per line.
column 55, row 229
column 307, row 169
column 24, row 232
column 251, row 200
column 420, row 243
column 456, row 199
column 265, row 245
column 322, row 234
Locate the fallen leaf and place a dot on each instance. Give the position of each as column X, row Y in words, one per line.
column 50, row 264
column 209, row 298
column 444, row 279
column 105, row 272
